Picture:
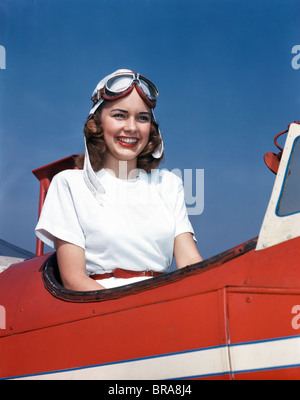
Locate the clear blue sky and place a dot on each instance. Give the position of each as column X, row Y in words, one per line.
column 227, row 86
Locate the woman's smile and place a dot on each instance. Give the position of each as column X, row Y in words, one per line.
column 127, row 141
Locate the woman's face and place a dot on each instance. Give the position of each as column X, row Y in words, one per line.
column 126, row 127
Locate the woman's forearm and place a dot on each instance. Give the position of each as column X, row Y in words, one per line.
column 82, row 284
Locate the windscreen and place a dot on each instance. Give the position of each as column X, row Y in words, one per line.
column 289, row 202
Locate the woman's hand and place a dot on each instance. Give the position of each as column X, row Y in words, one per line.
column 72, row 267
column 185, row 250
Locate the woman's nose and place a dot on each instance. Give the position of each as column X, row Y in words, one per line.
column 130, row 124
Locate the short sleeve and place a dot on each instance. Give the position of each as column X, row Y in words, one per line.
column 58, row 218
column 182, row 222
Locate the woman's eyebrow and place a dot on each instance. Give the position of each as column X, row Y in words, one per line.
column 145, row 112
column 119, row 109
column 125, row 111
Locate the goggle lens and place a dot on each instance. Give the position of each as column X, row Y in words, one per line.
column 149, row 89
column 118, row 84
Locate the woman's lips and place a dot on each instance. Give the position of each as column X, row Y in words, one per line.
column 127, row 141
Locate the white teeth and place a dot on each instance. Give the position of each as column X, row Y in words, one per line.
column 127, row 140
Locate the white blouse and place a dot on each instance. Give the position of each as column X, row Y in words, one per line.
column 133, row 228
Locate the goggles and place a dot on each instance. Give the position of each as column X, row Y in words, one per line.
column 121, row 84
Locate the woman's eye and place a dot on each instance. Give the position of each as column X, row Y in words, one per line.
column 118, row 115
column 144, row 118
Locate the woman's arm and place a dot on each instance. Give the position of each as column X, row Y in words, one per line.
column 185, row 250
column 72, row 267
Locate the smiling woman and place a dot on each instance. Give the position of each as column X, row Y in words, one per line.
column 97, row 145
column 118, row 219
column 126, row 125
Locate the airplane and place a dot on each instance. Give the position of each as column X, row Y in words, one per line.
column 234, row 316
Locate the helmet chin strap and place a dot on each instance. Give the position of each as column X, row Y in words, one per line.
column 91, row 180
column 158, row 153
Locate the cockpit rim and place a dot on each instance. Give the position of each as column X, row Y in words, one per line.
column 51, row 279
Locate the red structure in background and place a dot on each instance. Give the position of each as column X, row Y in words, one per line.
column 44, row 175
